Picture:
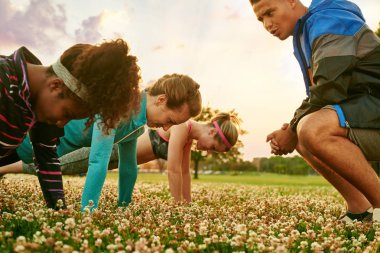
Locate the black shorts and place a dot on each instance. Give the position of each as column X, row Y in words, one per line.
column 159, row 145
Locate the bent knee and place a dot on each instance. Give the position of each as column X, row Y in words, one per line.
column 318, row 126
column 310, row 128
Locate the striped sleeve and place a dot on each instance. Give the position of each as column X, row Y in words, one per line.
column 44, row 140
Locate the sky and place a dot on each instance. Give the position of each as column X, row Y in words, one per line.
column 219, row 43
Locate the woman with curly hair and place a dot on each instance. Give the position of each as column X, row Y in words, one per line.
column 171, row 100
column 40, row 100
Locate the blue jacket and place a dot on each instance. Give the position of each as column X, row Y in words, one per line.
column 340, row 62
column 101, row 147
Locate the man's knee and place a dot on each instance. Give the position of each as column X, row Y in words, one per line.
column 308, row 131
column 318, row 126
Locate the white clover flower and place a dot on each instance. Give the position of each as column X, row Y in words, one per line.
column 118, row 240
column 19, row 248
column 59, row 203
column 38, row 237
column 8, row 234
column 241, row 228
column 320, row 220
column 156, row 240
column 224, row 238
column 128, row 248
column 220, row 229
column 192, row 235
column 202, row 246
column 260, row 246
column 87, row 220
column 97, row 234
column 21, row 239
column 187, row 228
column 111, row 247
column 362, row 238
column 67, row 248
column 203, row 230
column 7, row 216
column 192, row 246
column 304, row 244
column 315, row 246
column 98, row 242
column 207, row 241
column 169, row 250
column 86, row 210
column 181, row 250
column 70, row 223
column 281, row 249
column 215, row 238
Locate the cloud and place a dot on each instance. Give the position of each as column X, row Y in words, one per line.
column 89, row 32
column 232, row 13
column 157, row 48
column 181, row 45
column 41, row 24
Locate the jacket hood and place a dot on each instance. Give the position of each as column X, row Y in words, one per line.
column 318, row 5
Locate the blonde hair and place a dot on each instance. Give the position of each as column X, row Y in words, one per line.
column 229, row 124
column 180, row 90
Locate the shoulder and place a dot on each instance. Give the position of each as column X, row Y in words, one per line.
column 179, row 133
column 333, row 17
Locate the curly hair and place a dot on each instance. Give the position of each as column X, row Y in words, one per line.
column 254, row 1
column 180, row 90
column 110, row 76
column 229, row 125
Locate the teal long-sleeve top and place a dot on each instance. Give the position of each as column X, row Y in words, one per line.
column 125, row 136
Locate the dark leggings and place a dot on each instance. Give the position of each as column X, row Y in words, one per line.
column 9, row 159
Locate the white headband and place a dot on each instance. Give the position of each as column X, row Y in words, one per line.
column 70, row 81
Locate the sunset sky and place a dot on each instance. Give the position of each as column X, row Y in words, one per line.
column 219, row 43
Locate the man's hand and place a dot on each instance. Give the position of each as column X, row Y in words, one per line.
column 282, row 141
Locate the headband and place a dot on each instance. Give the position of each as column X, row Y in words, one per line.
column 68, row 79
column 224, row 139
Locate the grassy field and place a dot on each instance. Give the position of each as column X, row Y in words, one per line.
column 246, row 179
column 229, row 213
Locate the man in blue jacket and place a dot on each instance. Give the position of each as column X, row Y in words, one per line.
column 337, row 127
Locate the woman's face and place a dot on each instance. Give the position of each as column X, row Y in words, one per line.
column 54, row 108
column 159, row 115
column 208, row 142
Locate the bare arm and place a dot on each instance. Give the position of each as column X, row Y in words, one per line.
column 11, row 168
column 186, row 177
column 178, row 139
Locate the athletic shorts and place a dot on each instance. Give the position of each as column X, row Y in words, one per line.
column 368, row 140
column 160, row 146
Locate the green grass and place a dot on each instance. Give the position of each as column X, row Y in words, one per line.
column 249, row 179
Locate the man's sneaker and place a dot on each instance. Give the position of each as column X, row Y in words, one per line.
column 366, row 216
column 376, row 215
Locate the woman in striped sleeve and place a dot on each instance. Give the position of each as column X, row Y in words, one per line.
column 40, row 100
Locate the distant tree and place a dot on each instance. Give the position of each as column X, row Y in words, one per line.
column 286, row 165
column 161, row 163
column 378, row 30
column 233, row 155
